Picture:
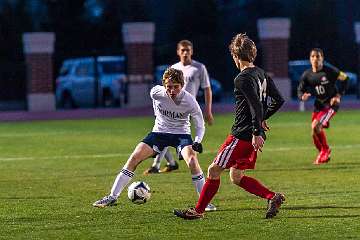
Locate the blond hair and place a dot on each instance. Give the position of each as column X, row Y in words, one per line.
column 176, row 76
column 243, row 47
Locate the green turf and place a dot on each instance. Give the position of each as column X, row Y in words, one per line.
column 51, row 172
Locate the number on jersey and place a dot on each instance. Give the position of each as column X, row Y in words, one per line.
column 320, row 89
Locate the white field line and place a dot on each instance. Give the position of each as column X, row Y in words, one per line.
column 112, row 155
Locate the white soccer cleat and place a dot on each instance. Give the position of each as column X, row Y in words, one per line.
column 210, row 208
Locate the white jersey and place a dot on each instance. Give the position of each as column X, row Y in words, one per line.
column 173, row 116
column 195, row 76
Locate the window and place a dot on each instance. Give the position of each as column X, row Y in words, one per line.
column 85, row 69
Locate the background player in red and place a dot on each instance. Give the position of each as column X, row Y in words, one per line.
column 253, row 88
column 320, row 81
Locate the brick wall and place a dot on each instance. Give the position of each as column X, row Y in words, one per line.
column 139, row 58
column 275, row 56
column 39, row 72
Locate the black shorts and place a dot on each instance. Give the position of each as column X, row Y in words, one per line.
column 158, row 141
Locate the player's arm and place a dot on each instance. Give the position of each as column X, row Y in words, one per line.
column 276, row 99
column 205, row 84
column 344, row 80
column 302, row 92
column 208, row 105
column 198, row 120
column 156, row 91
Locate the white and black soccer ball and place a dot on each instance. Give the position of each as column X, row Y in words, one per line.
column 139, row 192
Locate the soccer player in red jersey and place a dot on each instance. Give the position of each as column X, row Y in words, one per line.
column 320, row 81
column 253, row 88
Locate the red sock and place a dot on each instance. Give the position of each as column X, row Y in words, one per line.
column 208, row 191
column 253, row 186
column 317, row 142
column 322, row 139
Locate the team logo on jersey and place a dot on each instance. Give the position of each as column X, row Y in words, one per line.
column 323, row 80
column 170, row 114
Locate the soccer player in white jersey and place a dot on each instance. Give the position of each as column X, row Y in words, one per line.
column 195, row 76
column 173, row 108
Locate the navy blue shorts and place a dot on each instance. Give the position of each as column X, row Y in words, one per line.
column 158, row 141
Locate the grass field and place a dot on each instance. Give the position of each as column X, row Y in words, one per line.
column 51, row 172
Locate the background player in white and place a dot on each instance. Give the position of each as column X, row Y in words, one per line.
column 173, row 107
column 195, row 76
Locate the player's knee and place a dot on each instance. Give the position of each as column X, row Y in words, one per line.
column 214, row 171
column 193, row 162
column 316, row 127
column 236, row 176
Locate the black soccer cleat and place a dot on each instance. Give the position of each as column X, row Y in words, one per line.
column 170, row 168
column 188, row 214
column 151, row 170
column 274, row 205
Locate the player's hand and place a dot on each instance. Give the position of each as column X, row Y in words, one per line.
column 197, row 147
column 209, row 118
column 305, row 96
column 257, row 142
column 265, row 126
column 335, row 100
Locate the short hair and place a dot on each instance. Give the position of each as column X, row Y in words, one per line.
column 318, row 50
column 243, row 47
column 184, row 43
column 176, row 76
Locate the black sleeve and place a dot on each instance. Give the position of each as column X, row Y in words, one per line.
column 248, row 89
column 302, row 88
column 276, row 100
column 343, row 86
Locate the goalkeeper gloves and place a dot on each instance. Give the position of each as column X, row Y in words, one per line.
column 197, row 147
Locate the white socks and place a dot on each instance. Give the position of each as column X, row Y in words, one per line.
column 198, row 181
column 122, row 179
column 164, row 153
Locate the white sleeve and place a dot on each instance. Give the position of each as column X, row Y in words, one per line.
column 198, row 120
column 156, row 91
column 204, row 77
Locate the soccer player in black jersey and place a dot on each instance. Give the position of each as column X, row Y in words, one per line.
column 320, row 81
column 257, row 98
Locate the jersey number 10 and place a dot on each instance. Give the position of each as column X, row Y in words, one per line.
column 320, row 89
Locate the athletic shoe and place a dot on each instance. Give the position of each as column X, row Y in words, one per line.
column 318, row 158
column 151, row 170
column 210, row 208
column 170, row 168
column 325, row 157
column 188, row 214
column 105, row 201
column 274, row 205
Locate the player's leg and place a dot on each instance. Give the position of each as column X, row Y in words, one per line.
column 197, row 174
column 325, row 123
column 208, row 192
column 155, row 167
column 171, row 162
column 250, row 184
column 319, row 122
column 244, row 157
column 315, row 138
column 212, row 183
column 141, row 152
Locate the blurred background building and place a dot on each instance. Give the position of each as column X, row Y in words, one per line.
column 85, row 28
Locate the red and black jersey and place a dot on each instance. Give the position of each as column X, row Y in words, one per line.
column 321, row 85
column 257, row 98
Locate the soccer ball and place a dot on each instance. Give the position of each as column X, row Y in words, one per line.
column 139, row 192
